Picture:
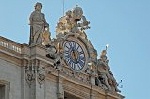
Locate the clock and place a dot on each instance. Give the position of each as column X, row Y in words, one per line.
column 75, row 54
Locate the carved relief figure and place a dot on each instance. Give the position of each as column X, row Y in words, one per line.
column 78, row 16
column 74, row 22
column 37, row 25
column 65, row 23
column 46, row 40
column 105, row 76
column 103, row 70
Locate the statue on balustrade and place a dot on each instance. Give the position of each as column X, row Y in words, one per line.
column 39, row 28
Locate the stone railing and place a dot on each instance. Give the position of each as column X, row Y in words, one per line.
column 10, row 44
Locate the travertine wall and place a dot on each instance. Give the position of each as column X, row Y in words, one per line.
column 50, row 90
column 11, row 73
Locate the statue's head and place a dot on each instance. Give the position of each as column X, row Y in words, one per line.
column 38, row 6
column 68, row 12
column 103, row 53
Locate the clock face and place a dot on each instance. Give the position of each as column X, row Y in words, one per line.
column 74, row 55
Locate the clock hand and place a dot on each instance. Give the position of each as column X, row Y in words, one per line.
column 75, row 56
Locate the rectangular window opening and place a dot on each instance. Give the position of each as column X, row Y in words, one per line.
column 2, row 91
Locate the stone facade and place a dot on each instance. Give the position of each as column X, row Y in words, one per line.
column 57, row 84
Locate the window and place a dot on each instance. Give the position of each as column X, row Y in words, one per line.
column 2, row 91
column 70, row 96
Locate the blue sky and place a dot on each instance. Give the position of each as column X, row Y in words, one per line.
column 123, row 24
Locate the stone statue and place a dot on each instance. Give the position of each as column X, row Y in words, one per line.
column 103, row 70
column 51, row 51
column 46, row 39
column 37, row 25
column 74, row 22
column 54, row 52
column 80, row 19
column 103, row 58
column 105, row 76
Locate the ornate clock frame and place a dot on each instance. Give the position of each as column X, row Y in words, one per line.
column 75, row 52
